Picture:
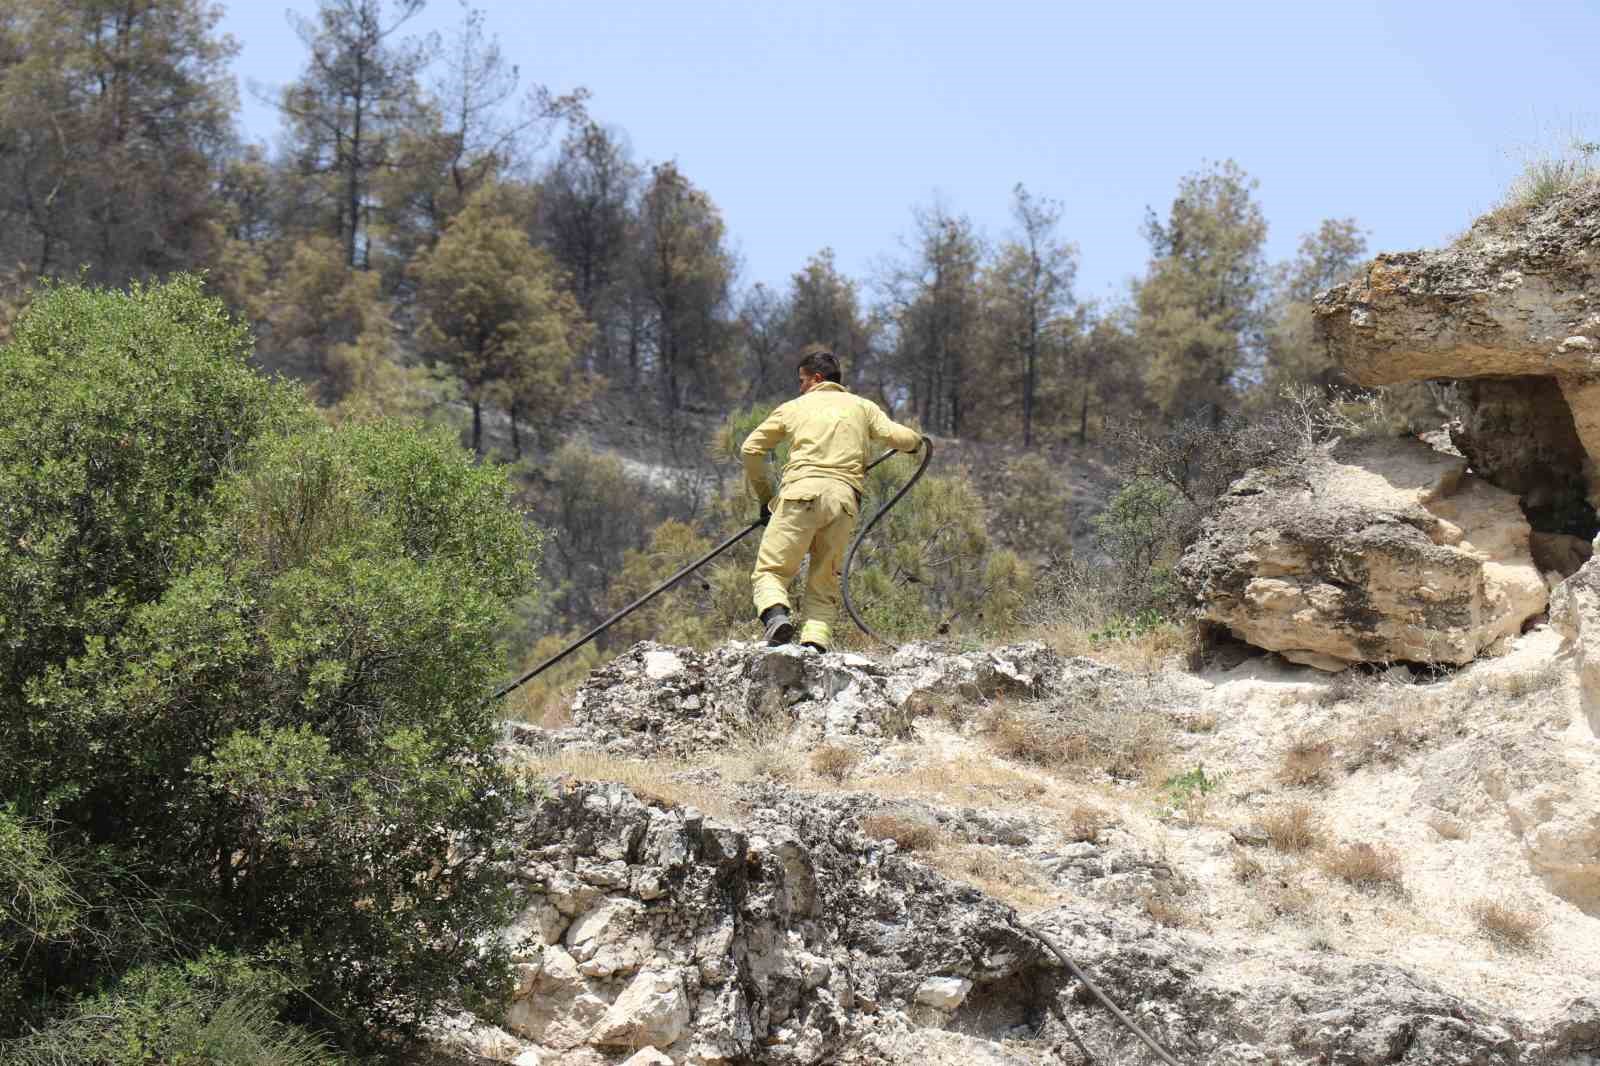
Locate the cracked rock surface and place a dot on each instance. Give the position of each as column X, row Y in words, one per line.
column 785, row 929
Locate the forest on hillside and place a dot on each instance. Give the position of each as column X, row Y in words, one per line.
column 424, row 208
column 433, row 236
column 307, row 445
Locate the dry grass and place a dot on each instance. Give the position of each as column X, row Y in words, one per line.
column 1085, row 823
column 1366, row 866
column 1245, row 867
column 1390, row 735
column 660, row 780
column 835, row 762
column 1507, row 923
column 762, row 752
column 1290, row 899
column 912, row 832
column 1306, row 764
column 995, row 872
column 1293, row 828
column 1520, row 684
column 1166, row 909
column 1114, row 726
column 1146, row 652
column 967, row 779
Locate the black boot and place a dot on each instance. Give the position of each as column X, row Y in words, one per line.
column 779, row 629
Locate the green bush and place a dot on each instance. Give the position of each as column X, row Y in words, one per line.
column 249, row 659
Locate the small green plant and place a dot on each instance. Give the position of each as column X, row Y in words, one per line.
column 1187, row 793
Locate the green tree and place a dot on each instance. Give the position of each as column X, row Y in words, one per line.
column 825, row 308
column 493, row 310
column 684, row 272
column 347, row 113
column 245, row 664
column 1027, row 295
column 1200, row 316
column 113, row 116
column 935, row 307
column 586, row 220
column 1325, row 258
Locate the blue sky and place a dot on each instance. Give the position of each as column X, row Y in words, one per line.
column 824, row 123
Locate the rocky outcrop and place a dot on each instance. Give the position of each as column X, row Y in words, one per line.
column 1378, row 551
column 657, row 700
column 1503, row 301
column 794, row 938
column 1511, row 311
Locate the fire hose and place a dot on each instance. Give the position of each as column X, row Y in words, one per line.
column 927, row 454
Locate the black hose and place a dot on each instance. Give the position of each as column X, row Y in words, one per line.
column 685, row 572
column 1132, row 1026
column 927, row 455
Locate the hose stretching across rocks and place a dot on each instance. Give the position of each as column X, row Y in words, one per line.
column 927, row 447
column 1132, row 1026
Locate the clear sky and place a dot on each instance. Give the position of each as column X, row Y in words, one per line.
column 823, row 122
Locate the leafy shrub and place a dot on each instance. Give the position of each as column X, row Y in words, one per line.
column 247, row 659
column 215, row 1012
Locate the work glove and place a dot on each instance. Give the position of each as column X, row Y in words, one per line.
column 764, row 515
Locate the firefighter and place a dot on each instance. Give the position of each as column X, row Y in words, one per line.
column 829, row 430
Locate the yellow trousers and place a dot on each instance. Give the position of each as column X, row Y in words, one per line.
column 815, row 516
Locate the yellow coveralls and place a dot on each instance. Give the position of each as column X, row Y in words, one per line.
column 829, row 429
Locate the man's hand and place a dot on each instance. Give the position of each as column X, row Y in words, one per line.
column 764, row 515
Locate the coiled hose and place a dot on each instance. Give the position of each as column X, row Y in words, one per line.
column 844, row 579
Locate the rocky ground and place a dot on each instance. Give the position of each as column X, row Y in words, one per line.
column 769, row 856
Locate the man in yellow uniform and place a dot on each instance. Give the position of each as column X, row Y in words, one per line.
column 829, row 430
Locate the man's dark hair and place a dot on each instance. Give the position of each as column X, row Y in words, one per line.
column 815, row 359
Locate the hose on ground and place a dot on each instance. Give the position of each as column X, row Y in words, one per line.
column 844, row 579
column 507, row 689
column 1128, row 1023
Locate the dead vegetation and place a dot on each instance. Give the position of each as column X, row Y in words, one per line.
column 659, row 780
column 1306, row 764
column 1365, row 866
column 910, row 831
column 1293, row 828
column 1086, row 823
column 1167, row 909
column 1116, row 726
column 993, row 871
column 1245, row 867
column 836, row 762
column 1507, row 923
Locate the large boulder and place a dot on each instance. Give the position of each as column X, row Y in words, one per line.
column 1509, row 308
column 1378, row 551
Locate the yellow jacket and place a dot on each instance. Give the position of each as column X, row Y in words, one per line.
column 828, row 429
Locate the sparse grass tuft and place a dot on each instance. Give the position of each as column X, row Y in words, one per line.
column 1246, row 867
column 1521, row 684
column 836, row 762
column 1306, row 763
column 1507, row 923
column 1116, row 725
column 1447, row 825
column 1293, row 828
column 1086, row 823
column 1388, row 736
column 912, row 832
column 655, row 779
column 1000, row 875
column 1364, row 865
column 1166, row 909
